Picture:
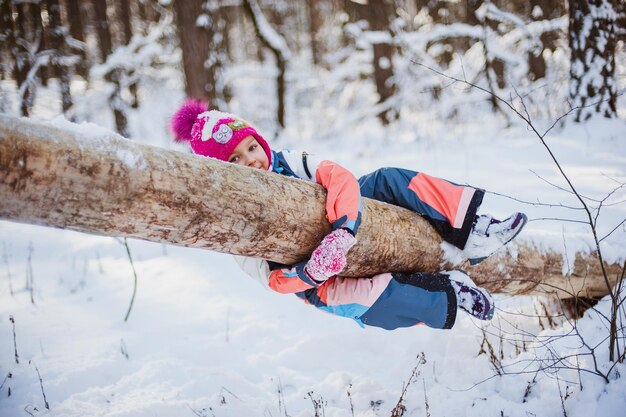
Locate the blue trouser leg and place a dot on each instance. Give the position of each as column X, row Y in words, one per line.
column 405, row 300
column 417, row 298
column 397, row 186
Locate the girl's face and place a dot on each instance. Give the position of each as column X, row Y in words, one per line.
column 249, row 153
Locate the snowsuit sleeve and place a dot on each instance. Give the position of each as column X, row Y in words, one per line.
column 285, row 280
column 343, row 200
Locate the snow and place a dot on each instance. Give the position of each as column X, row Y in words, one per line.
column 203, row 339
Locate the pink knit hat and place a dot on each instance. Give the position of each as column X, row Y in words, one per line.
column 212, row 133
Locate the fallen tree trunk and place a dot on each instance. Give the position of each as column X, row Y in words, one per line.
column 84, row 178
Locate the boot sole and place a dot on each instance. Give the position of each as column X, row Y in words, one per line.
column 476, row 261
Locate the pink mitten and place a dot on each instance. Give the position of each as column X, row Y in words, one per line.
column 329, row 258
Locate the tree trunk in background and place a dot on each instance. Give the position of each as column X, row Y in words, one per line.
column 110, row 186
column 38, row 39
column 543, row 10
column 22, row 57
column 124, row 14
column 216, row 27
column 277, row 44
column 592, row 70
column 536, row 62
column 315, row 22
column 379, row 12
column 102, row 29
column 7, row 40
column 74, row 14
column 106, row 47
column 194, row 43
column 620, row 22
column 57, row 43
column 148, row 12
column 494, row 67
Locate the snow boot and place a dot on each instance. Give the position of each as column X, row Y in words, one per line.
column 473, row 300
column 488, row 235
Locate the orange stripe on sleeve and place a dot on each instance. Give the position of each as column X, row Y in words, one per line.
column 344, row 195
column 284, row 284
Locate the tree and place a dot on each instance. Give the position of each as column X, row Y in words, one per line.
column 620, row 21
column 277, row 44
column 7, row 39
column 57, row 36
column 24, row 51
column 114, row 187
column 315, row 22
column 74, row 14
column 195, row 46
column 124, row 16
column 538, row 10
column 379, row 12
column 106, row 47
column 592, row 71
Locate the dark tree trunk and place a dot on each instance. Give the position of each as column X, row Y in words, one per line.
column 592, row 71
column 7, row 40
column 106, row 47
column 550, row 9
column 124, row 14
column 102, row 29
column 57, row 43
column 148, row 12
column 315, row 22
column 281, row 53
column 22, row 58
column 75, row 20
column 494, row 67
column 194, row 42
column 123, row 8
column 378, row 16
column 620, row 22
column 38, row 40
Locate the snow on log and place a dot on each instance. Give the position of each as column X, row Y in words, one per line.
column 85, row 178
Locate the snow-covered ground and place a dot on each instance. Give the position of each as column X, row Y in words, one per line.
column 202, row 339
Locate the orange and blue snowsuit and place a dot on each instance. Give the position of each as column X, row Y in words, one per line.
column 388, row 300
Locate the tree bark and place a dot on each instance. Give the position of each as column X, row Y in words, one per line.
column 277, row 44
column 23, row 59
column 379, row 12
column 74, row 14
column 592, row 41
column 57, row 33
column 102, row 29
column 195, row 47
column 123, row 12
column 315, row 23
column 98, row 182
column 7, row 38
column 114, row 76
column 620, row 21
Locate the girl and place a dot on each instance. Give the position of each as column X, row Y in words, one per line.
column 388, row 300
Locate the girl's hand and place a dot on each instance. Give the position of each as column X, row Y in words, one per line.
column 329, row 258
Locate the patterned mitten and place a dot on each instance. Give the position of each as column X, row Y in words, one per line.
column 329, row 258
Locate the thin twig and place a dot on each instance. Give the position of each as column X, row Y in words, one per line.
column 132, row 264
column 613, row 230
column 17, row 357
column 45, row 400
